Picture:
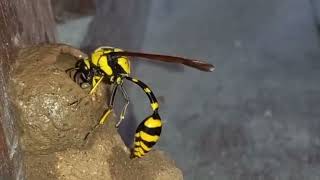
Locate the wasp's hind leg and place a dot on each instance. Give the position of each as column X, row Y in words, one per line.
column 124, row 109
column 106, row 114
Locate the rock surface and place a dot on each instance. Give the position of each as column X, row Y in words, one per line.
column 54, row 116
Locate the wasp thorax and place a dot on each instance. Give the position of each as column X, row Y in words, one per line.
column 124, row 63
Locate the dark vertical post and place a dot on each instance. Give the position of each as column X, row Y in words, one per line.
column 22, row 23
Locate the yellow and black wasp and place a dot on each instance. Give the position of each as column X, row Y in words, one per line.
column 113, row 65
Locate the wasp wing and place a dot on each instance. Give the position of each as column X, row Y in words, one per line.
column 170, row 59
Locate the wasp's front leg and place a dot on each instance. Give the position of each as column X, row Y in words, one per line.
column 95, row 82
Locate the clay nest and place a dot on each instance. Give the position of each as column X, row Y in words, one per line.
column 54, row 116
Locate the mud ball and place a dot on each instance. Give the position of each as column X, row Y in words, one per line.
column 53, row 112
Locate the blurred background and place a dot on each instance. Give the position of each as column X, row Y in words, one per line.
column 256, row 117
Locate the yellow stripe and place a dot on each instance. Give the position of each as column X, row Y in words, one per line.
column 137, row 154
column 87, row 62
column 137, row 135
column 148, row 138
column 142, row 145
column 152, row 123
column 135, row 80
column 145, row 147
column 147, row 90
column 119, row 80
column 103, row 65
column 154, row 106
column 124, row 63
column 140, row 150
column 137, row 143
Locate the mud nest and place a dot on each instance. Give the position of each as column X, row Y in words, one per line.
column 54, row 116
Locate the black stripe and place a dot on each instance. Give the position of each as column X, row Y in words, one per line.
column 155, row 115
column 136, row 147
column 150, row 95
column 141, row 84
column 153, row 97
column 144, row 150
column 148, row 144
column 152, row 131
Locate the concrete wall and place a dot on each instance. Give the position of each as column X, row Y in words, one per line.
column 316, row 10
column 256, row 116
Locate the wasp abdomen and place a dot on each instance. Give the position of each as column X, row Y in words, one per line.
column 147, row 134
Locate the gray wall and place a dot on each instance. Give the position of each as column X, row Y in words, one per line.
column 258, row 114
column 316, row 10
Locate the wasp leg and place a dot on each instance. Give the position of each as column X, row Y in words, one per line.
column 113, row 95
column 76, row 77
column 124, row 109
column 70, row 70
column 91, row 131
column 102, row 121
column 110, row 108
column 95, row 84
column 104, row 117
column 84, row 84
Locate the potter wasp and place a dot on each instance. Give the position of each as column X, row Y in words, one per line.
column 113, row 65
